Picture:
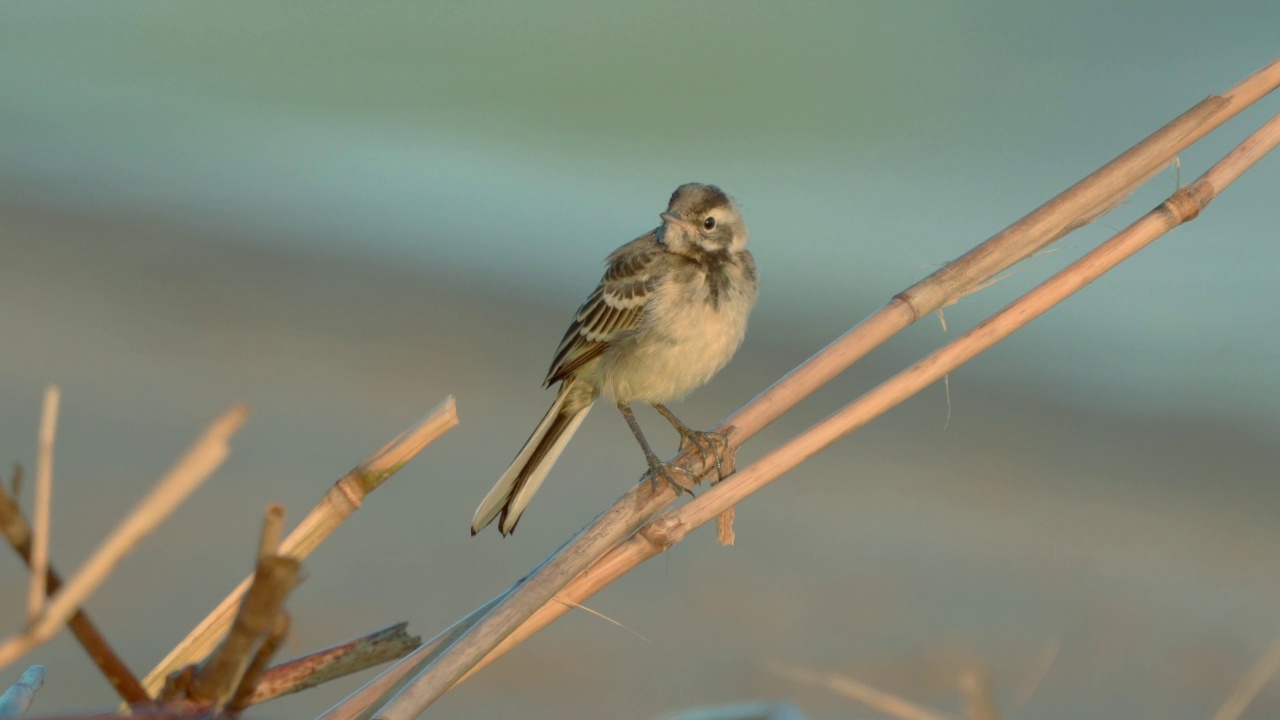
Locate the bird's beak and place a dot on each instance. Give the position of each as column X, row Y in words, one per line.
column 672, row 219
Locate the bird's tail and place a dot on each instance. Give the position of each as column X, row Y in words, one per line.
column 518, row 484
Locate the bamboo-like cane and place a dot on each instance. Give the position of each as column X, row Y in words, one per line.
column 338, row 504
column 1078, row 205
column 673, row 526
column 191, row 470
column 40, row 510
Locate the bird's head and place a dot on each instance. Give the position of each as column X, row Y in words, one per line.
column 702, row 218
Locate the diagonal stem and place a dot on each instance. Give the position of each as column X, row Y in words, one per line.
column 1078, row 205
column 17, row 531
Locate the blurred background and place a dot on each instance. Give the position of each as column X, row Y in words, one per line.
column 342, row 213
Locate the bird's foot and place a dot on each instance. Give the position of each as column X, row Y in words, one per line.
column 707, row 443
column 659, row 469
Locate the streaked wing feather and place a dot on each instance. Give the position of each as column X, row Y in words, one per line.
column 616, row 305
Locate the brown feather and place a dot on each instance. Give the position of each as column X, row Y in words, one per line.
column 615, row 306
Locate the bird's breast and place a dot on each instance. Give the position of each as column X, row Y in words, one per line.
column 692, row 326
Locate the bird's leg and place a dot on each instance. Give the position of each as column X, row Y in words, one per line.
column 657, row 468
column 696, row 438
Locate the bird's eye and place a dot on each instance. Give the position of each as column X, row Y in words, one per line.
column 709, row 223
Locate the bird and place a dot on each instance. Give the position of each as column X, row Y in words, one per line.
column 669, row 313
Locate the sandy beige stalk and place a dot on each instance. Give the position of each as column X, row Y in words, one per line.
column 1085, row 200
column 190, row 471
column 363, row 703
column 673, row 526
column 1080, row 203
column 40, row 512
column 339, row 503
column 17, row 532
column 272, row 529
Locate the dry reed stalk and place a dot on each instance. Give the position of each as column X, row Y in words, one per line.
column 886, row 703
column 230, row 673
column 40, row 510
column 1078, row 205
column 16, row 701
column 272, row 529
column 278, row 633
column 361, row 704
column 338, row 504
column 15, row 529
column 1251, row 685
column 671, row 527
column 182, row 479
column 216, row 680
column 339, row 661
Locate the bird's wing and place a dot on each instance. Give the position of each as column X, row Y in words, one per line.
column 616, row 306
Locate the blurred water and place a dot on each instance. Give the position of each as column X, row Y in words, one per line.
column 343, row 213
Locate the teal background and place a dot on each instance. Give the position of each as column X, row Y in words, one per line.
column 340, row 213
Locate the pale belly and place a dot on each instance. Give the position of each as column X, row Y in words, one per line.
column 684, row 344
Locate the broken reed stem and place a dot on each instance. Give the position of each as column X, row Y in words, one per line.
column 268, row 542
column 1078, row 205
column 363, row 703
column 272, row 529
column 885, row 702
column 40, row 510
column 671, row 527
column 218, row 677
column 275, row 638
column 338, row 504
column 319, row 667
column 15, row 529
column 190, row 471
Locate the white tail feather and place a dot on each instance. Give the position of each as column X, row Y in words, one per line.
column 521, row 499
column 510, row 492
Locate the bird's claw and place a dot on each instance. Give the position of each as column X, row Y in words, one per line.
column 696, row 438
column 659, row 469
